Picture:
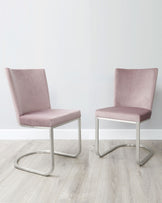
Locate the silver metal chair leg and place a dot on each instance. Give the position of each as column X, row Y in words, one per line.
column 79, row 144
column 97, row 137
column 137, row 145
column 39, row 152
column 51, row 152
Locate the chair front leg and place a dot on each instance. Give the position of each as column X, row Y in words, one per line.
column 79, row 144
column 97, row 136
column 39, row 152
column 97, row 140
column 138, row 146
column 138, row 143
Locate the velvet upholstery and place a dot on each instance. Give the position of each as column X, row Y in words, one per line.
column 124, row 113
column 30, row 90
column 135, row 87
column 31, row 97
column 49, row 117
column 134, row 93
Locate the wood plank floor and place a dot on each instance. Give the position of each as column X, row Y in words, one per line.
column 86, row 179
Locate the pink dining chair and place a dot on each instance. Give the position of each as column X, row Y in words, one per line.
column 134, row 93
column 31, row 98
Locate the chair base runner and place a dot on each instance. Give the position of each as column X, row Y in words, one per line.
column 137, row 145
column 51, row 152
column 48, row 173
column 142, row 162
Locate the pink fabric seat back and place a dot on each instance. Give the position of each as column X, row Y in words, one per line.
column 135, row 87
column 29, row 89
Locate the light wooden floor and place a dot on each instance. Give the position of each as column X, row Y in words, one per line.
column 87, row 179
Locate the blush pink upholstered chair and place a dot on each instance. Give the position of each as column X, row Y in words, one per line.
column 31, row 98
column 134, row 93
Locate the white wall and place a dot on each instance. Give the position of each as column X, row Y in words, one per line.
column 80, row 43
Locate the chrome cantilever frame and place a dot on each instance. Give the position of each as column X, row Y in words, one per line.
column 137, row 145
column 51, row 152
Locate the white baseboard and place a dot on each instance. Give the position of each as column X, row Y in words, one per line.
column 87, row 134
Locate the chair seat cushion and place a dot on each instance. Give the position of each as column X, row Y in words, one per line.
column 49, row 117
column 124, row 113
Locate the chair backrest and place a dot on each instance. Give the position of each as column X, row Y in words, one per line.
column 29, row 89
column 135, row 87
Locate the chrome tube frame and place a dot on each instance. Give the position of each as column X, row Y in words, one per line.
column 137, row 145
column 51, row 152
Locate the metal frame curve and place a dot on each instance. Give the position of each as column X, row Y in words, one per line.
column 51, row 152
column 137, row 145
